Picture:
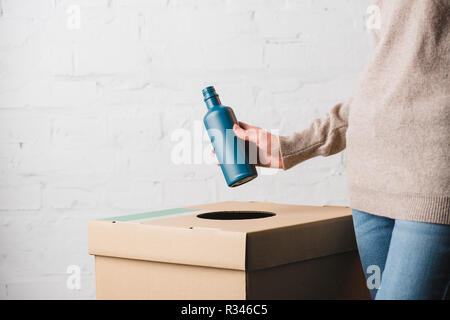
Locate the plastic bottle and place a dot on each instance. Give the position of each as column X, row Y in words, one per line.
column 230, row 150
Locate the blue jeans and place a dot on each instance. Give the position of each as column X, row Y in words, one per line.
column 403, row 259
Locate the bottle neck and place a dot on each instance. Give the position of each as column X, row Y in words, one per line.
column 211, row 97
column 212, row 102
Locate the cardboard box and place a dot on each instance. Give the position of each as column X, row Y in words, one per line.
column 228, row 250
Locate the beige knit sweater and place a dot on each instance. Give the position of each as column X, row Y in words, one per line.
column 396, row 127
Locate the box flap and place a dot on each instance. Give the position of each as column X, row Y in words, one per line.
column 280, row 246
column 205, row 247
column 294, row 233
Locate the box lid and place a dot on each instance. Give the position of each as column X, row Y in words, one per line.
column 294, row 233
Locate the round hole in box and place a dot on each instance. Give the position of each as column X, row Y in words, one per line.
column 235, row 215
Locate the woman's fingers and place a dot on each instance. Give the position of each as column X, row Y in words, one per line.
column 240, row 133
column 247, row 126
column 249, row 134
column 244, row 125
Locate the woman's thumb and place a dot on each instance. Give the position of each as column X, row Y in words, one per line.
column 240, row 133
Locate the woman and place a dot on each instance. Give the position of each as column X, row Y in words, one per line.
column 396, row 129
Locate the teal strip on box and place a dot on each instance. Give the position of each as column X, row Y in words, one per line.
column 152, row 214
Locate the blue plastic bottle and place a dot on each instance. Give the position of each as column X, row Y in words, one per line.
column 230, row 150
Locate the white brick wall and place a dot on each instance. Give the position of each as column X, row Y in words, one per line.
column 86, row 114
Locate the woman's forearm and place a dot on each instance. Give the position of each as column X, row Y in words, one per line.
column 325, row 136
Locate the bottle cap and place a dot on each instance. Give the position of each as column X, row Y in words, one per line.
column 211, row 97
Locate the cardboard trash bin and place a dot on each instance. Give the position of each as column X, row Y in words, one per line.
column 228, row 250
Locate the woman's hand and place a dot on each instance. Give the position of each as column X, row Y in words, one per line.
column 267, row 144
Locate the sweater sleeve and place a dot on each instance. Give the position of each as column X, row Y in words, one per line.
column 325, row 136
